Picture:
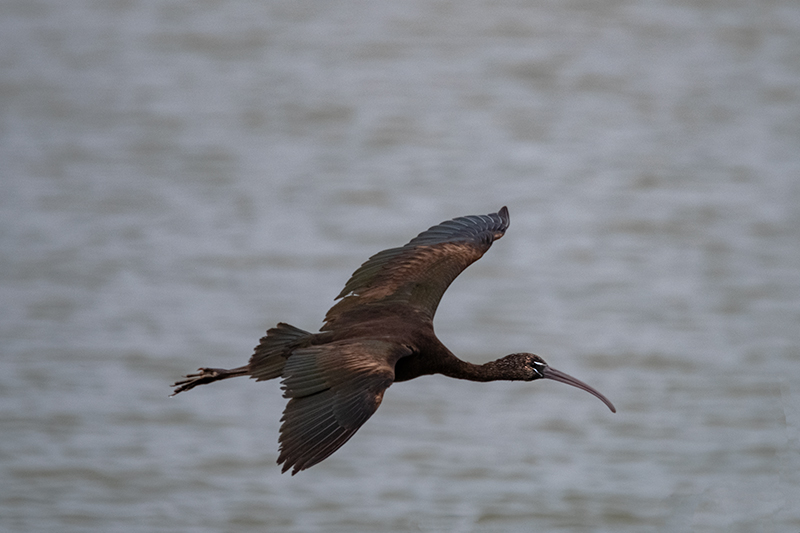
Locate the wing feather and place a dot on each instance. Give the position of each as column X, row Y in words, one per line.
column 332, row 389
column 419, row 273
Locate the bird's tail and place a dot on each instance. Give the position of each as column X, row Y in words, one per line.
column 207, row 375
column 270, row 356
column 267, row 361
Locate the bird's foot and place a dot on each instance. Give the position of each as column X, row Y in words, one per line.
column 203, row 376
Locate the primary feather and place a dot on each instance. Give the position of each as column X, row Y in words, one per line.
column 418, row 274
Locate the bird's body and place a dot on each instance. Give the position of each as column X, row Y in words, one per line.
column 379, row 333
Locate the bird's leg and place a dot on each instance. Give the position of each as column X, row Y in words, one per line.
column 207, row 375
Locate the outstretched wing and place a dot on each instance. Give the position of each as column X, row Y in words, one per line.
column 333, row 389
column 419, row 273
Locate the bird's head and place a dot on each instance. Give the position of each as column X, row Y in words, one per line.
column 530, row 367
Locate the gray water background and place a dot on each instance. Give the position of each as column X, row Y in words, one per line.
column 177, row 176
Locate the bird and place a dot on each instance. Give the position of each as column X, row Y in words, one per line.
column 379, row 332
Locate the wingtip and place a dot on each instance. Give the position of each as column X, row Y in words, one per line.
column 504, row 216
column 503, row 212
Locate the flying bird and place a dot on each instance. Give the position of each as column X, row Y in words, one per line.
column 380, row 332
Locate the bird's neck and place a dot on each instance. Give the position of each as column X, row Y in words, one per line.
column 491, row 371
column 435, row 358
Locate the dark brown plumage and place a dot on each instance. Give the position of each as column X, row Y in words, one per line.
column 380, row 332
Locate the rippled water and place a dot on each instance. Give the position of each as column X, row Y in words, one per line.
column 179, row 176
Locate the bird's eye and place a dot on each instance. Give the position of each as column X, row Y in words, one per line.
column 538, row 367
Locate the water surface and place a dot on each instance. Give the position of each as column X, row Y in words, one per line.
column 177, row 177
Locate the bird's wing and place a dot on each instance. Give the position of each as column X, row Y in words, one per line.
column 333, row 389
column 418, row 273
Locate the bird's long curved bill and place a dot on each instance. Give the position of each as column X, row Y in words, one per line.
column 557, row 375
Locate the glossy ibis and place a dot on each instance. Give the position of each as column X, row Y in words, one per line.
column 379, row 333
